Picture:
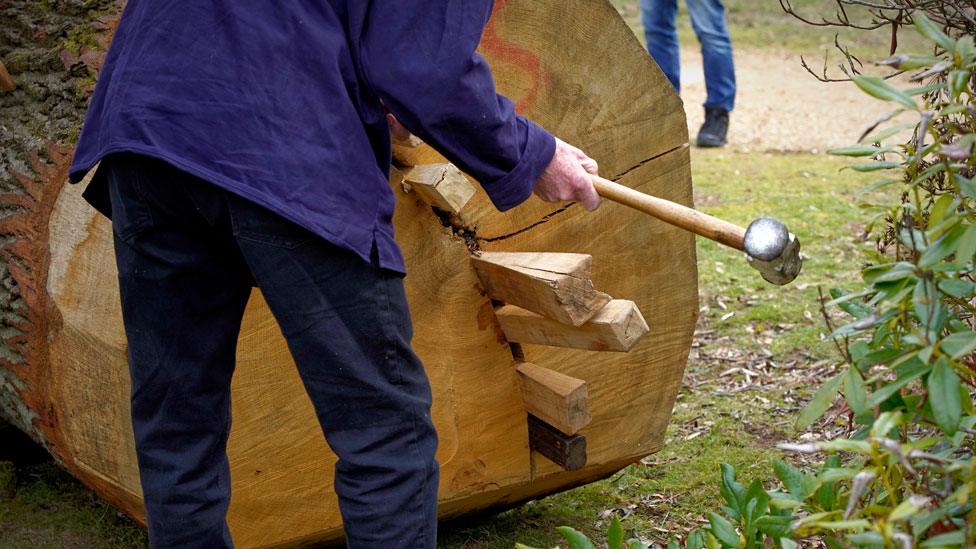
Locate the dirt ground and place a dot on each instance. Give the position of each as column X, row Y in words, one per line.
column 779, row 106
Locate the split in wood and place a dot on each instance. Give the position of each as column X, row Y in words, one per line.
column 556, row 398
column 616, row 327
column 6, row 82
column 567, row 451
column 440, row 185
column 554, row 285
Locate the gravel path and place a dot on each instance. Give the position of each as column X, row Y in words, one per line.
column 781, row 107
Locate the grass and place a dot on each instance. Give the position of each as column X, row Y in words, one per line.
column 43, row 507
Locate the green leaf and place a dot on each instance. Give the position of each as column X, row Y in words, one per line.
column 944, row 397
column 940, row 208
column 957, row 288
column 522, row 546
column 833, row 526
column 967, row 186
column 943, row 247
column 966, row 49
column 757, row 501
column 854, row 391
column 671, row 544
column 904, row 510
column 787, row 543
column 723, row 530
column 826, row 495
column 822, row 400
column 959, row 344
column 615, row 534
column 877, row 87
column 874, row 166
column 575, row 538
column 732, row 492
column 888, row 272
column 794, row 481
column 845, row 445
column 783, row 501
column 928, row 88
column 955, row 538
column 930, row 30
column 885, row 392
column 860, row 150
column 634, row 543
column 888, row 132
column 837, row 473
column 958, row 82
column 967, row 245
column 867, row 539
column 774, row 526
column 696, row 539
column 885, row 423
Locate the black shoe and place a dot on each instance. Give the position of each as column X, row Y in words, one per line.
column 716, row 126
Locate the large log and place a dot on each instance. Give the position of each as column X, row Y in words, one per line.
column 571, row 65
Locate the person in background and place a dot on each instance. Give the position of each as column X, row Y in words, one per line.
column 708, row 21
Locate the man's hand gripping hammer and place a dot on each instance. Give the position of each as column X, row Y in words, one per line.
column 770, row 247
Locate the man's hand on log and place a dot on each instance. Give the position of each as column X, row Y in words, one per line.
column 565, row 178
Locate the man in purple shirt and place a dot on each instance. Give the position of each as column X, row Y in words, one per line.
column 247, row 144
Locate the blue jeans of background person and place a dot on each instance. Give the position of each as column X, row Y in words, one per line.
column 188, row 255
column 708, row 21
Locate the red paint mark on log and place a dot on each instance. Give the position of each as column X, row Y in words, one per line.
column 527, row 61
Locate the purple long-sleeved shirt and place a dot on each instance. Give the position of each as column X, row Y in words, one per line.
column 284, row 103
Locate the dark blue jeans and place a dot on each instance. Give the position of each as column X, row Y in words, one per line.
column 188, row 255
column 708, row 21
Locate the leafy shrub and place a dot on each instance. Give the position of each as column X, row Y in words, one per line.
column 905, row 477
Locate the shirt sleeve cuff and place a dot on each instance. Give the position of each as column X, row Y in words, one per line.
column 516, row 186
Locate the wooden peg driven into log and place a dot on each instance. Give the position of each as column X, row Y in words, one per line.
column 567, row 451
column 554, row 397
column 554, row 285
column 617, row 327
column 440, row 185
column 6, row 82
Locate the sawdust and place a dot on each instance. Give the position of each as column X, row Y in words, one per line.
column 780, row 107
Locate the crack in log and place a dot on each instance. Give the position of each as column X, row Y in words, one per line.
column 549, row 216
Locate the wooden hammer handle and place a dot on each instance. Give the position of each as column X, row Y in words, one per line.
column 684, row 217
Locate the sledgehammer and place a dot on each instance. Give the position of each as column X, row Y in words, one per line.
column 769, row 246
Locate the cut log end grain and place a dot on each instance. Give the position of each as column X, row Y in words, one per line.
column 554, row 285
column 616, row 327
column 556, row 398
column 440, row 185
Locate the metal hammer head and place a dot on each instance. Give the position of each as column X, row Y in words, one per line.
column 773, row 250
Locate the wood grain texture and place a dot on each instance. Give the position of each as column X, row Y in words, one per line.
column 618, row 326
column 554, row 285
column 574, row 67
column 440, row 185
column 557, row 399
